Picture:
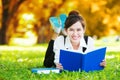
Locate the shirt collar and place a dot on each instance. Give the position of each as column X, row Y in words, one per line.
column 68, row 44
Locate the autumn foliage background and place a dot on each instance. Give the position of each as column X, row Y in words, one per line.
column 26, row 22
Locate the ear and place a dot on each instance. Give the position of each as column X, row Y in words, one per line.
column 84, row 30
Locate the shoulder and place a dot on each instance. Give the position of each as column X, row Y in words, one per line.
column 59, row 42
column 90, row 40
column 90, row 44
column 59, row 39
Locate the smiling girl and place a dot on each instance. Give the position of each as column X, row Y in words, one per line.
column 74, row 41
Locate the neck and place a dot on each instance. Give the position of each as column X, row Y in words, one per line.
column 75, row 46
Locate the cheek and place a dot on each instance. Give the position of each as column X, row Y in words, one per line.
column 69, row 33
column 82, row 32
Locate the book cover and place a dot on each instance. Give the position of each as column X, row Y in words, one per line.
column 75, row 61
column 45, row 70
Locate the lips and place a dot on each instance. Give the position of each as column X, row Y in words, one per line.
column 75, row 38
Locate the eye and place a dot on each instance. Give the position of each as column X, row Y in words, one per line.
column 71, row 29
column 78, row 29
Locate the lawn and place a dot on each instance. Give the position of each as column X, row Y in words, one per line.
column 16, row 63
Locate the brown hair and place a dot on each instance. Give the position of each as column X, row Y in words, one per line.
column 72, row 18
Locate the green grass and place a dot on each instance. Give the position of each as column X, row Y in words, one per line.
column 16, row 63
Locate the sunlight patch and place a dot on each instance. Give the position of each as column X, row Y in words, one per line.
column 110, row 56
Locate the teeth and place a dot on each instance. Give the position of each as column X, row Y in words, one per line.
column 75, row 38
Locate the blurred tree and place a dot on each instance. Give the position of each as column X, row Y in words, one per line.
column 114, row 16
column 9, row 8
column 100, row 16
column 0, row 12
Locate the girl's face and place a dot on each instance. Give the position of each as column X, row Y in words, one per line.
column 75, row 32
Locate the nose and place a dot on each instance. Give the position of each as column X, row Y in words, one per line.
column 75, row 32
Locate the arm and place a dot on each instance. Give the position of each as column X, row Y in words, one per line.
column 90, row 44
column 58, row 44
column 49, row 56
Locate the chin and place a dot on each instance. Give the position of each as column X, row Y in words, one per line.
column 76, row 41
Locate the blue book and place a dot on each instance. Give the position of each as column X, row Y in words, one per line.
column 45, row 70
column 75, row 61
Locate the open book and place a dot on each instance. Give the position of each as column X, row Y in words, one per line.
column 45, row 70
column 75, row 61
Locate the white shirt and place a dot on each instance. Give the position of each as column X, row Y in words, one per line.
column 60, row 44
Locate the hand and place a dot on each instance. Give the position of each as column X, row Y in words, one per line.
column 59, row 66
column 103, row 63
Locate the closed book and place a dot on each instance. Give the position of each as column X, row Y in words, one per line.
column 45, row 70
column 76, row 61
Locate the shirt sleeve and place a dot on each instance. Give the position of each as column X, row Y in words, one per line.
column 90, row 44
column 58, row 44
